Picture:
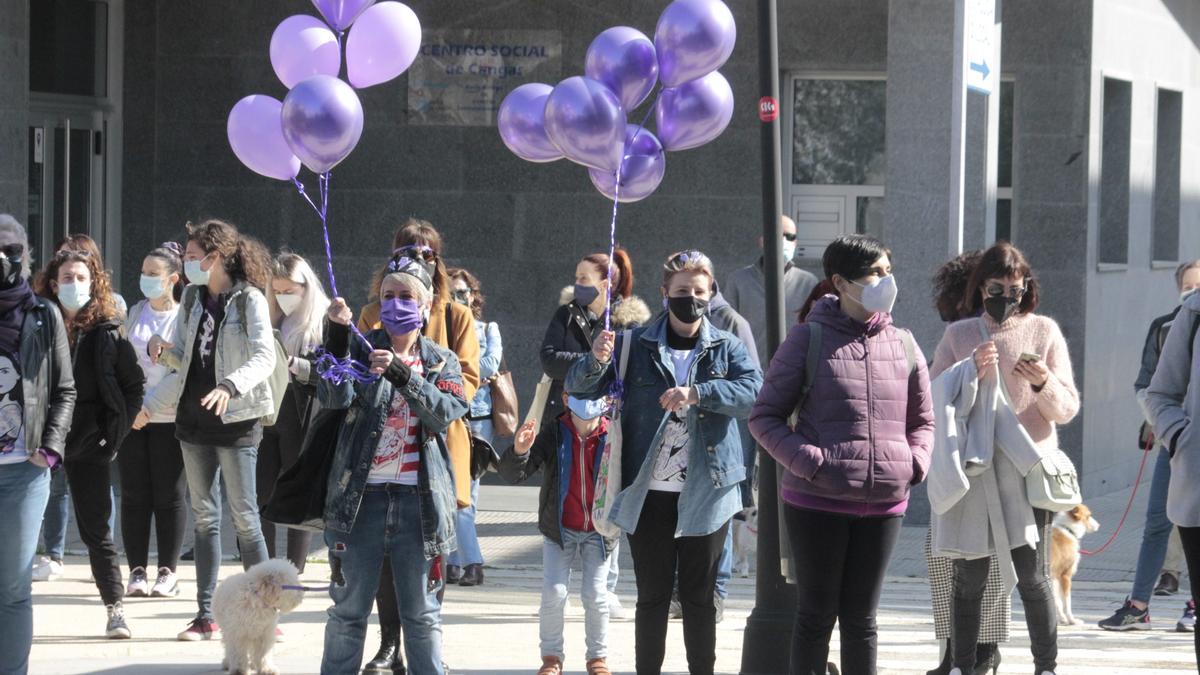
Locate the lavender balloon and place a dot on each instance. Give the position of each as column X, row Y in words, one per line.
column 693, row 38
column 693, row 114
column 385, row 41
column 642, row 169
column 303, row 46
column 585, row 121
column 341, row 13
column 256, row 136
column 322, row 121
column 522, row 123
column 623, row 59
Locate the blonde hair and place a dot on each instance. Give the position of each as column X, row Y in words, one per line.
column 302, row 330
column 420, row 291
column 687, row 261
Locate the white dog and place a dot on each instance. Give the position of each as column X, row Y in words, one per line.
column 247, row 607
column 745, row 540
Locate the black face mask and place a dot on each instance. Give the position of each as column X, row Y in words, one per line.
column 1001, row 308
column 10, row 272
column 585, row 295
column 687, row 308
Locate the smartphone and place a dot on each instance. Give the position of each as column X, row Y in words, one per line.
column 1027, row 357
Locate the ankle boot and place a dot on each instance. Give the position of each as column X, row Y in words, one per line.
column 946, row 664
column 388, row 661
column 987, row 658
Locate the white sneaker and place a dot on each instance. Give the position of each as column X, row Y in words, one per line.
column 139, row 585
column 167, row 585
column 615, row 609
column 47, row 570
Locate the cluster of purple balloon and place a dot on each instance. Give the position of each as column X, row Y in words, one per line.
column 585, row 118
column 321, row 119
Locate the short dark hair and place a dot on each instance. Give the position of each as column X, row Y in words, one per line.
column 852, row 256
column 1001, row 260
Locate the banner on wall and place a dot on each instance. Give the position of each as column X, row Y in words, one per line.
column 462, row 75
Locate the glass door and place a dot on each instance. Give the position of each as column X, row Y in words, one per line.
column 66, row 177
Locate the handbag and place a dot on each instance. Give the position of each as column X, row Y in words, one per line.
column 483, row 455
column 505, row 405
column 1053, row 483
column 298, row 499
column 608, row 479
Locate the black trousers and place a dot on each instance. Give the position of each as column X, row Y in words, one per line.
column 278, row 451
column 1041, row 618
column 1190, row 538
column 840, row 562
column 153, row 486
column 91, row 486
column 657, row 554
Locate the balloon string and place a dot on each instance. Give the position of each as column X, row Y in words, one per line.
column 335, row 369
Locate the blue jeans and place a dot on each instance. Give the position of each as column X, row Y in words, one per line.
column 614, row 566
column 468, row 552
column 388, row 524
column 24, row 490
column 725, row 566
column 556, row 564
column 749, row 456
column 202, row 463
column 1156, row 533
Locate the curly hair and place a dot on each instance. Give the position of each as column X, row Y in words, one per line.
column 100, row 308
column 950, row 285
column 244, row 257
column 477, row 299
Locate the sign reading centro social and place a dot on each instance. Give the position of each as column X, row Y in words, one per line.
column 461, row 76
column 979, row 43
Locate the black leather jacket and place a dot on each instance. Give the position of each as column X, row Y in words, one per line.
column 47, row 380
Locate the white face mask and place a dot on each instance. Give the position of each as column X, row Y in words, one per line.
column 288, row 302
column 789, row 250
column 196, row 275
column 152, row 287
column 74, row 296
column 879, row 296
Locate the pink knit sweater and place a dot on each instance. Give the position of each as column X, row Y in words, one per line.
column 1039, row 412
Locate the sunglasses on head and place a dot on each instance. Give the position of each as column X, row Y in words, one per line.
column 686, row 257
column 67, row 252
column 416, row 252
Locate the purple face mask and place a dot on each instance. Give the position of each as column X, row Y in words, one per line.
column 400, row 316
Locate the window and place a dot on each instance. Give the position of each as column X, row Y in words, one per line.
column 68, row 47
column 1168, row 136
column 1114, row 172
column 838, row 132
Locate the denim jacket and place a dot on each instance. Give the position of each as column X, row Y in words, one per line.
column 245, row 354
column 491, row 350
column 437, row 398
column 726, row 382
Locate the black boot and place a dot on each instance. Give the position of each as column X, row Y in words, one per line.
column 388, row 661
column 987, row 658
column 472, row 576
column 947, row 662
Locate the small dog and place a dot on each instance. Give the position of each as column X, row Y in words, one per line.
column 1069, row 528
column 247, row 607
column 745, row 540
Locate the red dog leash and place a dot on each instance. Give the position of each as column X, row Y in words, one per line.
column 1136, row 483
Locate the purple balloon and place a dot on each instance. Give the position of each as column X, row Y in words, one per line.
column 303, row 46
column 256, row 136
column 522, row 123
column 585, row 121
column 623, row 59
column 642, row 169
column 384, row 43
column 339, row 14
column 322, row 121
column 693, row 114
column 693, row 38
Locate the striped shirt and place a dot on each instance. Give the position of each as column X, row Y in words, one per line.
column 397, row 458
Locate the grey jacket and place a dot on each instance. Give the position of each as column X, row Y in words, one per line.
column 245, row 354
column 746, row 292
column 1174, row 404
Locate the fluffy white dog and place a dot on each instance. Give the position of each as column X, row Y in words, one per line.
column 247, row 607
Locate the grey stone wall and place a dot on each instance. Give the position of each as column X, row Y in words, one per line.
column 14, row 107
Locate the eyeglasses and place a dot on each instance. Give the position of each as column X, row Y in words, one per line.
column 416, row 252
column 790, row 236
column 13, row 251
column 998, row 290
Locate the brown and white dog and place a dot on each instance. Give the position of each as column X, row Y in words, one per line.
column 1069, row 528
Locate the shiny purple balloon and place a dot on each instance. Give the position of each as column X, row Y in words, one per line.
column 693, row 38
column 303, row 46
column 623, row 59
column 585, row 121
column 522, row 123
column 322, row 121
column 339, row 14
column 695, row 113
column 256, row 136
column 642, row 169
column 384, row 43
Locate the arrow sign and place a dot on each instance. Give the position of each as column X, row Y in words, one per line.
column 981, row 68
column 979, row 41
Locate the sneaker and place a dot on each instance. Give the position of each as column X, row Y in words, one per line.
column 1187, row 622
column 1168, row 584
column 676, row 607
column 139, row 586
column 1128, row 618
column 199, row 629
column 167, row 585
column 117, row 629
column 719, row 603
column 47, row 570
column 615, row 609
